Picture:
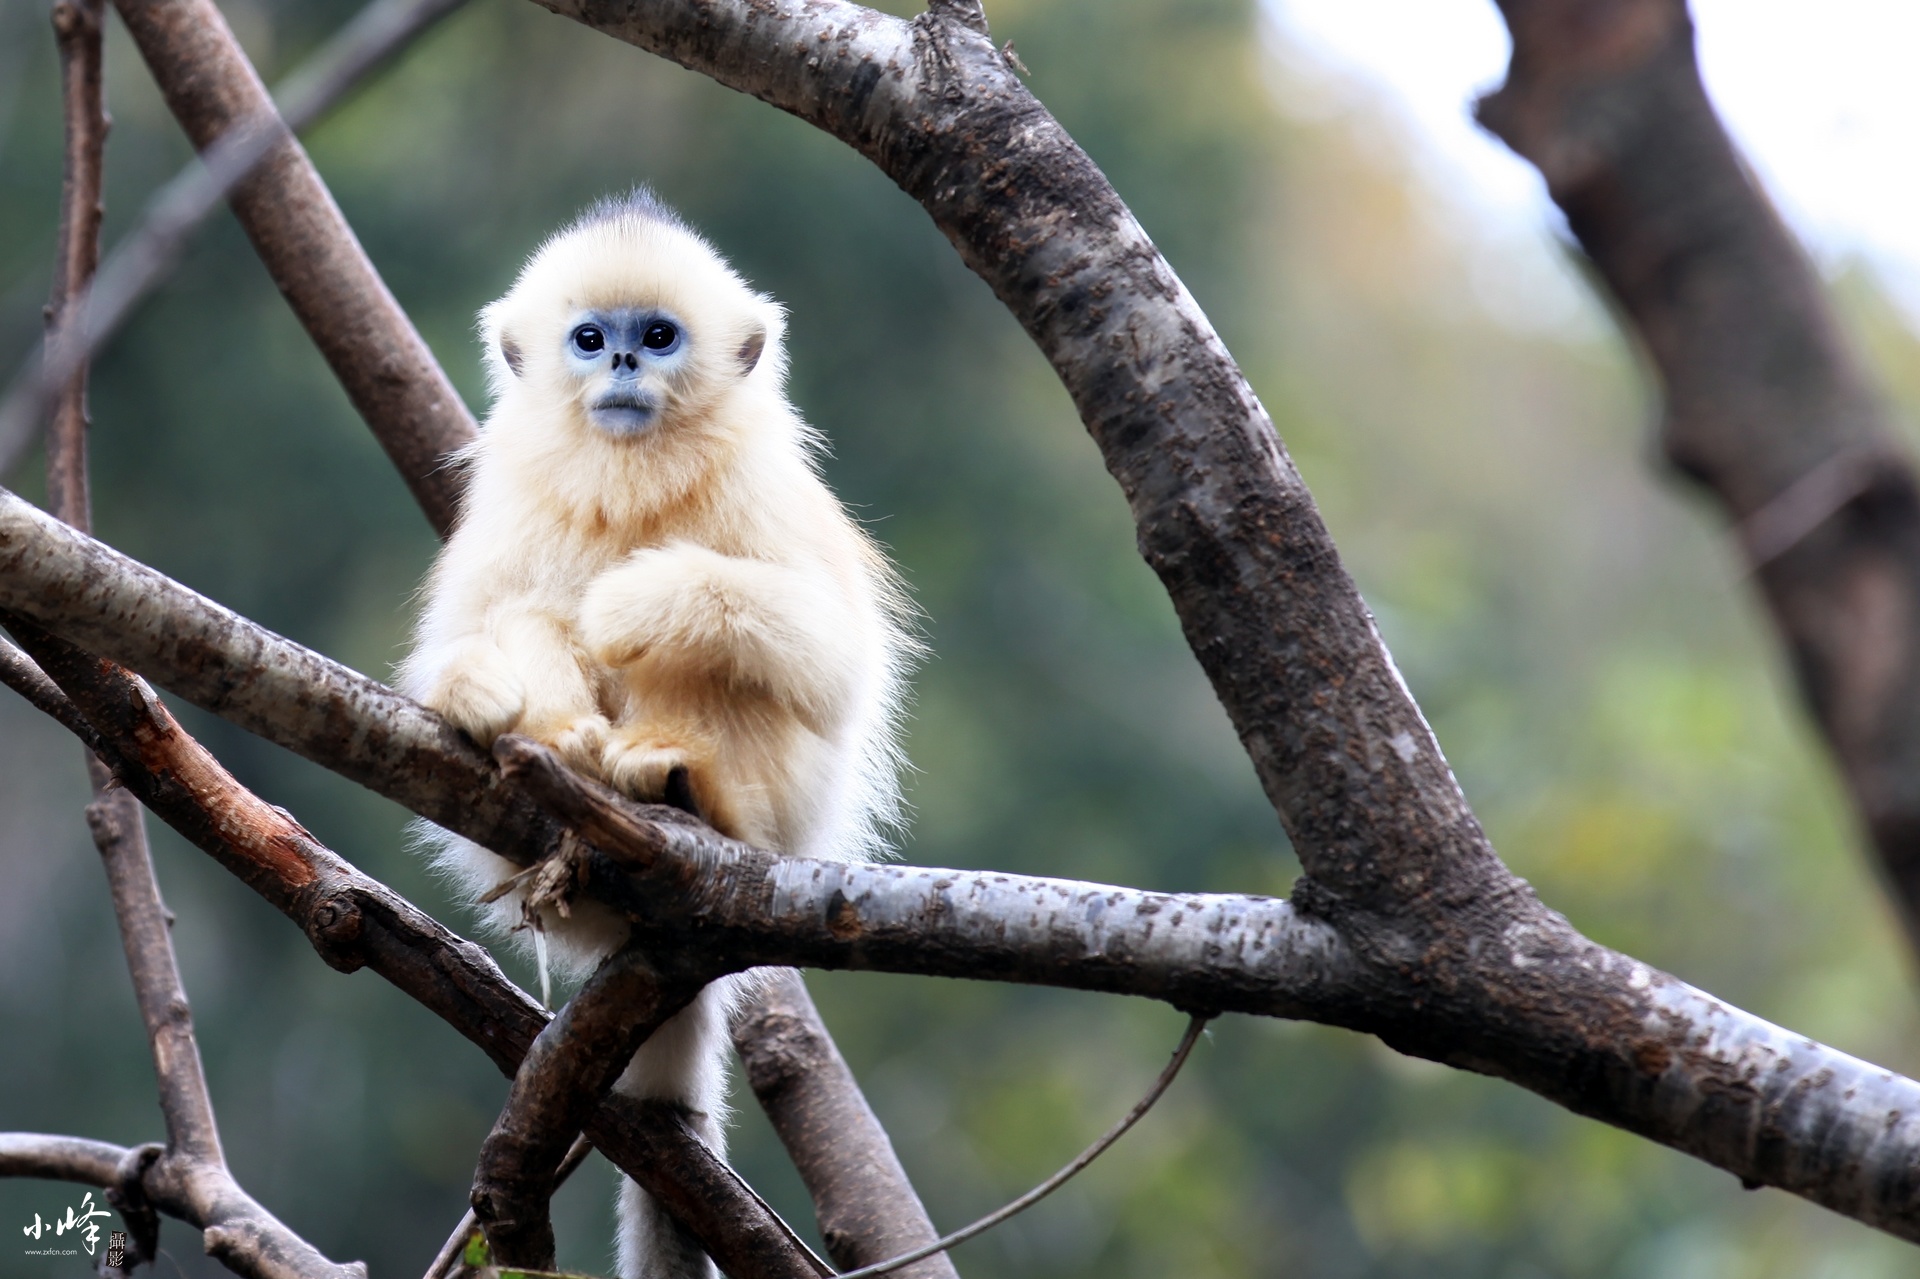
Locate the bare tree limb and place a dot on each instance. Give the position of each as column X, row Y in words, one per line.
column 1513, row 991
column 151, row 251
column 55, row 1158
column 570, row 1067
column 354, row 921
column 191, row 1171
column 18, row 672
column 145, row 931
column 1765, row 405
column 448, row 1260
column 312, row 254
column 77, row 30
column 839, row 1147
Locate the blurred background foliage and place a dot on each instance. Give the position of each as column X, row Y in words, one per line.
column 1473, row 426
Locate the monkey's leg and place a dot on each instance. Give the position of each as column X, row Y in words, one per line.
column 683, row 1062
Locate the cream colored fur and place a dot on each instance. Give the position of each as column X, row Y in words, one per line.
column 689, row 595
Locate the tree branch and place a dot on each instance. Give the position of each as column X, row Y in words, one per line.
column 839, row 1147
column 54, row 1158
column 148, row 253
column 301, row 236
column 77, row 31
column 571, row 1066
column 1512, row 991
column 449, row 1259
column 1765, row 405
column 190, row 1172
column 354, row 921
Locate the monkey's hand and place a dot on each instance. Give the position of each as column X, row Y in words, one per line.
column 695, row 612
column 477, row 690
column 641, row 761
column 580, row 740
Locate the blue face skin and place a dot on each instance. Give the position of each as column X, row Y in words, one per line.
column 625, row 354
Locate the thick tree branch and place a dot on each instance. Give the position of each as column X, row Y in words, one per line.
column 312, row 254
column 55, row 1158
column 842, row 1152
column 354, row 921
column 448, row 1260
column 1765, row 406
column 1516, row 993
column 571, row 1066
column 1223, row 517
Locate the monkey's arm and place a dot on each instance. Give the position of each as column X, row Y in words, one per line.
column 792, row 631
column 492, row 659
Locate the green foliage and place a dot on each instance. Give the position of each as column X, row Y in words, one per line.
column 1573, row 627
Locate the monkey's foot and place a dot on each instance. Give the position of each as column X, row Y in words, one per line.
column 580, row 740
column 478, row 691
column 645, row 768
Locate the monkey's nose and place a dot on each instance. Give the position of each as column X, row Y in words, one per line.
column 632, row 361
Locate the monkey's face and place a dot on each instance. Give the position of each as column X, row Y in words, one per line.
column 625, row 362
column 630, row 333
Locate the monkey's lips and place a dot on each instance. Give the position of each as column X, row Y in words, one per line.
column 619, row 414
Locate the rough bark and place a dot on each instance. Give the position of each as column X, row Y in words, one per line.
column 1766, row 408
column 572, row 1064
column 1521, row 995
column 842, row 1153
column 355, row 921
column 308, row 248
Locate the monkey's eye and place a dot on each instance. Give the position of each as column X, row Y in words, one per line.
column 589, row 339
column 659, row 336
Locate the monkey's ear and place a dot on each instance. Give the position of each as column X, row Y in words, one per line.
column 510, row 352
column 751, row 349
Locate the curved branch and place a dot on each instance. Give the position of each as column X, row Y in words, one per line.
column 1510, row 992
column 1223, row 517
column 56, row 1158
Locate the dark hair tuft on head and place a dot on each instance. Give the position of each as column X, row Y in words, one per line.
column 637, row 205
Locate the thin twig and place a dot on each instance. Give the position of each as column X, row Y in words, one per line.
column 1197, row 1024
column 151, row 251
column 78, row 34
column 21, row 674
